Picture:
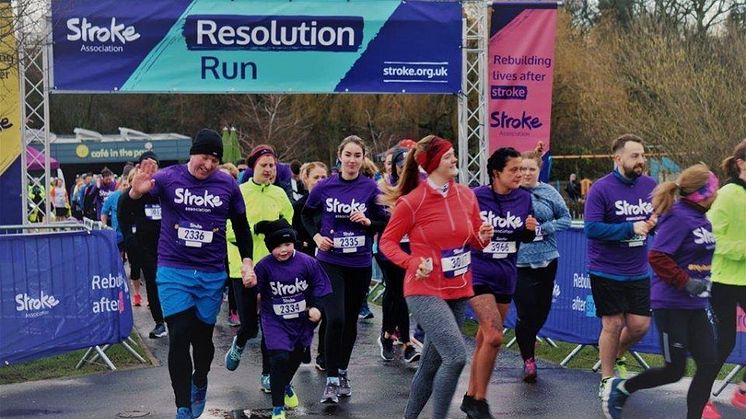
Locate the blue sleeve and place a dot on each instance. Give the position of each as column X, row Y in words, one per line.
column 606, row 231
column 562, row 218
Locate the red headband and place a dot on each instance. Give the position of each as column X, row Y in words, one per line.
column 258, row 152
column 430, row 160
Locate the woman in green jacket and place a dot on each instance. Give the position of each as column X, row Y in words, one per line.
column 728, row 220
column 264, row 202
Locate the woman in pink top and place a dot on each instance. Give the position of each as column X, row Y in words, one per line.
column 442, row 220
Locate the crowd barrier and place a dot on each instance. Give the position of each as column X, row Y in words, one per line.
column 61, row 291
column 573, row 315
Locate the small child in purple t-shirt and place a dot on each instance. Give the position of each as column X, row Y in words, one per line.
column 291, row 285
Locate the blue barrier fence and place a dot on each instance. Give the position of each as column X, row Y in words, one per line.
column 61, row 292
column 573, row 315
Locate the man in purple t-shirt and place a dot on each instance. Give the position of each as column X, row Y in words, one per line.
column 618, row 218
column 196, row 200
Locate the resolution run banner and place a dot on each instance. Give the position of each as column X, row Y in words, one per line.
column 271, row 46
column 520, row 69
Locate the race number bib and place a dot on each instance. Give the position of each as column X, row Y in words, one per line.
column 289, row 307
column 455, row 262
column 500, row 250
column 539, row 235
column 636, row 241
column 347, row 243
column 192, row 235
column 153, row 212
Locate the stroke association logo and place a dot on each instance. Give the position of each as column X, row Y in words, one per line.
column 110, row 37
column 33, row 306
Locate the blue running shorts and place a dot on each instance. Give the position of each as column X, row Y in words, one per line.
column 181, row 289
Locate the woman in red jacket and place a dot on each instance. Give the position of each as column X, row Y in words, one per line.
column 442, row 220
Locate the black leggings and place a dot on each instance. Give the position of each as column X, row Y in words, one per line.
column 349, row 287
column 395, row 310
column 185, row 330
column 724, row 300
column 147, row 261
column 682, row 331
column 533, row 299
column 247, row 307
column 284, row 364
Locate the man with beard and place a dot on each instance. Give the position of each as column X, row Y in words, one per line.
column 96, row 195
column 618, row 219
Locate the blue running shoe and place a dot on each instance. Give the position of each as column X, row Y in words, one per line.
column 614, row 399
column 233, row 356
column 266, row 385
column 184, row 413
column 199, row 398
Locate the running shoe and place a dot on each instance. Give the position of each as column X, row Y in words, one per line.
column 484, row 409
column 411, row 354
column 291, row 398
column 158, row 331
column 233, row 356
column 614, row 399
column 387, row 347
column 266, row 387
column 621, row 367
column 320, row 363
column 469, row 406
column 331, row 393
column 344, row 386
column 278, row 412
column 529, row 370
column 602, row 386
column 739, row 399
column 199, row 398
column 233, row 319
column 138, row 300
column 184, row 413
column 710, row 411
column 365, row 313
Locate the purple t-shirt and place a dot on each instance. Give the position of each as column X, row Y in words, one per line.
column 495, row 265
column 338, row 198
column 613, row 201
column 193, row 216
column 101, row 193
column 685, row 234
column 286, row 288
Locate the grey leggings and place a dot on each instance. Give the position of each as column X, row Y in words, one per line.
column 443, row 356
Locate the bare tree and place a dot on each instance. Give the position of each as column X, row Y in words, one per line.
column 268, row 119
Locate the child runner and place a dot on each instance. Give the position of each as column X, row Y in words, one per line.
column 291, row 285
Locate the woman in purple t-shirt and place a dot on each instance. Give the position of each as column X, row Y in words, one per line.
column 680, row 257
column 342, row 214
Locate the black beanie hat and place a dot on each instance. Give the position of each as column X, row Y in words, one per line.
column 207, row 142
column 148, row 155
column 275, row 232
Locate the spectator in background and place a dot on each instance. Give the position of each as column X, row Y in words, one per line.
column 60, row 200
column 79, row 196
column 110, row 218
column 296, row 184
column 96, row 195
column 77, row 206
column 573, row 188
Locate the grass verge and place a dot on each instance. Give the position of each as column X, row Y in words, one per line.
column 64, row 365
column 588, row 356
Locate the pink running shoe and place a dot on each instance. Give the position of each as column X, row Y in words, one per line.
column 529, row 371
column 710, row 411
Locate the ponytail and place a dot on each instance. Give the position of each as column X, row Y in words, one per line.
column 730, row 166
column 410, row 176
column 664, row 196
